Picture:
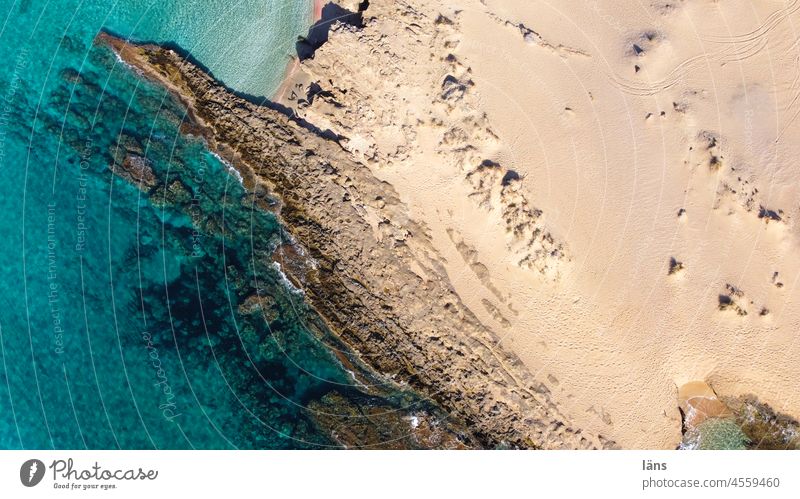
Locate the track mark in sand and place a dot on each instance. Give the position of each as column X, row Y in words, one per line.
column 772, row 21
column 680, row 72
column 794, row 86
column 737, row 48
column 794, row 91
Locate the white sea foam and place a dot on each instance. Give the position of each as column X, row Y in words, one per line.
column 286, row 237
column 230, row 167
column 285, row 280
column 125, row 63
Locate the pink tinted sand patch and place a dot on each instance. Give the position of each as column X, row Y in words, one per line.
column 318, row 4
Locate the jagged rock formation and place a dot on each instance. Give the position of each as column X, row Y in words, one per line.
column 375, row 277
column 532, row 245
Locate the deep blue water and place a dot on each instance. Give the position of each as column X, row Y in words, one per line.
column 124, row 320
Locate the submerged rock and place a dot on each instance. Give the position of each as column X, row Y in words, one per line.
column 136, row 170
column 366, row 424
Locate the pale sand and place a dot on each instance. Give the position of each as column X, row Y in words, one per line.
column 290, row 73
column 699, row 402
column 318, row 5
column 619, row 172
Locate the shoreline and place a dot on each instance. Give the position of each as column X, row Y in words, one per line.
column 447, row 181
column 588, row 273
column 294, row 63
column 317, row 10
column 453, row 364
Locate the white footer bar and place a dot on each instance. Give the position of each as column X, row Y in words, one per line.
column 356, row 474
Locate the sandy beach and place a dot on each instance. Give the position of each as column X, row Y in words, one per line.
column 610, row 188
column 282, row 93
column 563, row 212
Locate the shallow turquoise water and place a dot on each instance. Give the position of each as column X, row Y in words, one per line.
column 245, row 43
column 120, row 319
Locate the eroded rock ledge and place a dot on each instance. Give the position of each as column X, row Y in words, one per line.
column 376, row 280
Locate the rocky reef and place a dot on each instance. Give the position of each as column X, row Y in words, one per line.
column 365, row 266
column 711, row 422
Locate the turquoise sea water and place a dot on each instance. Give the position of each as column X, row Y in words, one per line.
column 124, row 320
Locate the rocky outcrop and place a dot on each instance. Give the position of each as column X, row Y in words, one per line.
column 368, row 270
column 136, row 170
column 744, row 422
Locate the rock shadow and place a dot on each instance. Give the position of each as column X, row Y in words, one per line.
column 317, row 35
